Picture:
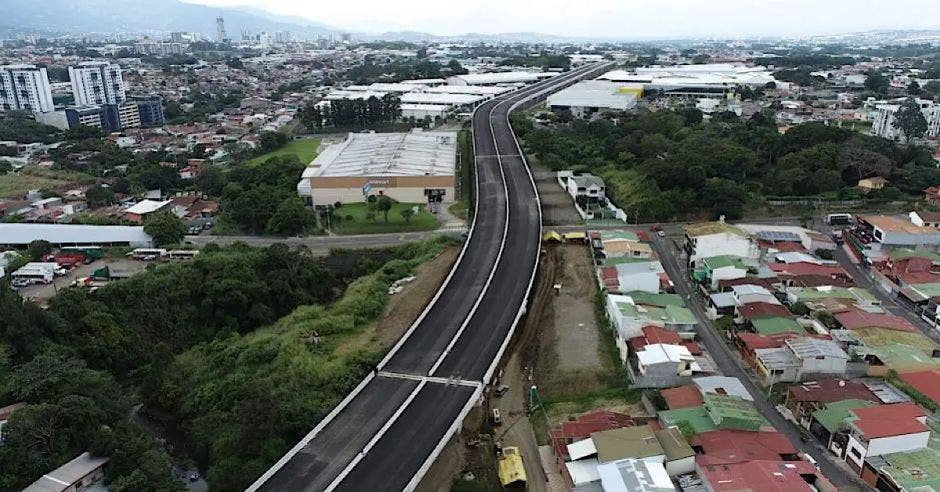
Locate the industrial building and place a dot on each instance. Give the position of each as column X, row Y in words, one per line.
column 15, row 235
column 706, row 80
column 414, row 167
column 499, row 78
column 592, row 98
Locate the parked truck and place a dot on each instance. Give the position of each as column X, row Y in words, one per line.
column 91, row 253
column 66, row 259
column 511, row 469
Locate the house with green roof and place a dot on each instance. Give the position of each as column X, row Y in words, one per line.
column 657, row 300
column 776, row 326
column 690, row 419
column 628, row 317
column 733, row 412
column 915, row 471
column 886, row 349
column 906, row 253
column 826, row 421
column 710, row 271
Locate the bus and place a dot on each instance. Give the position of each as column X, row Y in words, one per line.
column 182, row 254
column 147, row 254
column 839, row 219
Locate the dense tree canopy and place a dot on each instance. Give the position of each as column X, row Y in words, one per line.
column 665, row 164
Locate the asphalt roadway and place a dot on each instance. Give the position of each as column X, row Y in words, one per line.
column 386, row 434
column 729, row 365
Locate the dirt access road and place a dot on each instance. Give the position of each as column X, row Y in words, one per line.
column 557, row 206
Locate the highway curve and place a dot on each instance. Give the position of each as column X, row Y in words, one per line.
column 386, row 433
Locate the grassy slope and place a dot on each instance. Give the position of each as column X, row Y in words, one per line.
column 305, row 150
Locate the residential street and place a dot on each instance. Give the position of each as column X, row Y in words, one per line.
column 863, row 280
column 837, row 472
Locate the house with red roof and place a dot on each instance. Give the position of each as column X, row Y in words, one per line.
column 805, row 398
column 856, row 319
column 932, row 196
column 733, row 446
column 926, row 383
column 787, row 272
column 653, row 335
column 682, row 397
column 761, row 476
column 757, row 310
column 884, row 429
column 570, row 432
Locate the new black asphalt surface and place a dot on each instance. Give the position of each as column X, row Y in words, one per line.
column 398, row 455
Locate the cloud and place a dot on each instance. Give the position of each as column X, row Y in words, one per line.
column 610, row 18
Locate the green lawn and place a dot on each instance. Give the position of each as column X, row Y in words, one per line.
column 17, row 184
column 360, row 224
column 305, row 150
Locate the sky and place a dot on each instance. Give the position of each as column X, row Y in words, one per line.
column 609, row 18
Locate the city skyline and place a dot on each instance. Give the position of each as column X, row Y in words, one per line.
column 635, row 19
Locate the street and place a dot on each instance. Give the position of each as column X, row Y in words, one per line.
column 728, row 363
column 321, row 245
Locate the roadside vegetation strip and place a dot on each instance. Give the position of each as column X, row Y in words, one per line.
column 358, row 218
column 304, row 149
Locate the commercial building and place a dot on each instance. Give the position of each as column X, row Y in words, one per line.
column 19, row 235
column 705, row 80
column 25, row 88
column 80, row 474
column 591, row 98
column 883, row 122
column 97, row 82
column 150, row 109
column 414, row 167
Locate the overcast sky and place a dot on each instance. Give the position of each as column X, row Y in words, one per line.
column 610, row 18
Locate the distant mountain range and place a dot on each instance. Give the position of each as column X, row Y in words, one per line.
column 107, row 17
column 144, row 16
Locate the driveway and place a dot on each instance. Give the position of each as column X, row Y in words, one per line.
column 834, row 470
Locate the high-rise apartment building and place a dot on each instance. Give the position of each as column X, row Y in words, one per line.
column 26, row 88
column 220, row 29
column 97, row 82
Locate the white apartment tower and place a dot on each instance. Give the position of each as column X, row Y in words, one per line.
column 26, row 88
column 95, row 83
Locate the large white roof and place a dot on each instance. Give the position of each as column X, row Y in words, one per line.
column 693, row 75
column 499, row 77
column 594, row 94
column 23, row 234
column 146, row 207
column 417, row 153
column 445, row 99
column 658, row 353
column 480, row 90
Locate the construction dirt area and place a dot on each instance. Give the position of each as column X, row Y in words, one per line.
column 561, row 349
column 557, row 205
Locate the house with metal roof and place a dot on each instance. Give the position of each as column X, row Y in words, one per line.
column 732, row 412
column 884, row 429
column 81, row 473
column 632, row 475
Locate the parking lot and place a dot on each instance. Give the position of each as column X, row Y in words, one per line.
column 41, row 293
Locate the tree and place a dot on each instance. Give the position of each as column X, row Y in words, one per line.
column 384, row 204
column 39, row 248
column 910, row 120
column 914, row 88
column 877, row 83
column 5, row 167
column 99, row 196
column 407, row 214
column 290, row 218
column 211, row 180
column 165, row 228
column 272, row 141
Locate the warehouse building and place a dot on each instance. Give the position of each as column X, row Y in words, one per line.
column 414, row 167
column 592, row 98
column 499, row 78
column 16, row 235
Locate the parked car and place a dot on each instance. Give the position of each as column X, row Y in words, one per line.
column 500, row 390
